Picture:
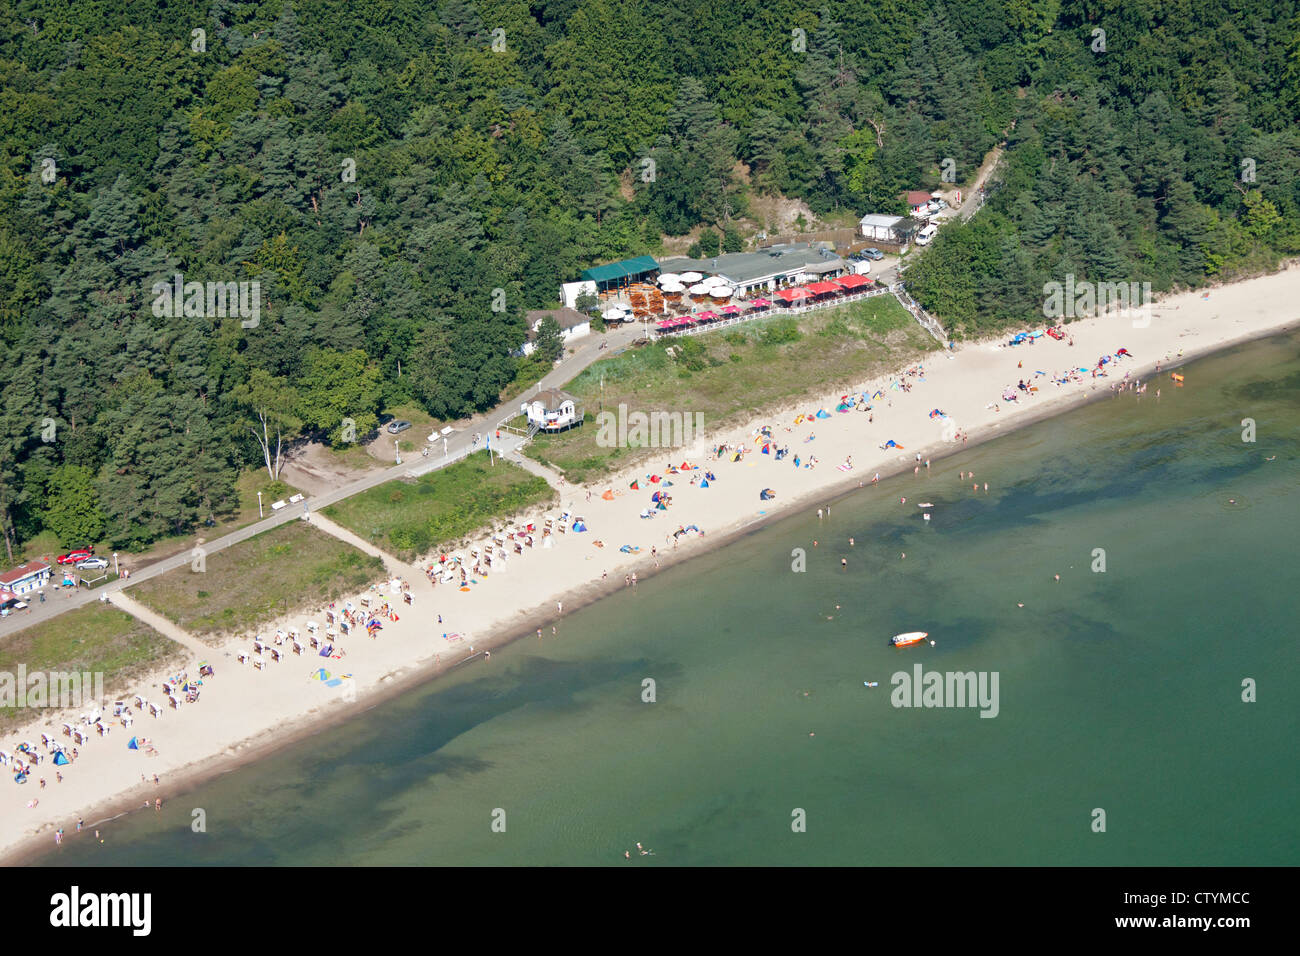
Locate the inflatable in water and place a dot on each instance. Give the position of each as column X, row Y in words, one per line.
column 1176, row 377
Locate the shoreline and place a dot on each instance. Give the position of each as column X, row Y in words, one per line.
column 20, row 843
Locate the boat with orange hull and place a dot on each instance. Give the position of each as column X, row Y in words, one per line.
column 911, row 637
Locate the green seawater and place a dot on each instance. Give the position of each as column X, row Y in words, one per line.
column 1118, row 690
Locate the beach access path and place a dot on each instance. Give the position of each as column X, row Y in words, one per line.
column 459, row 444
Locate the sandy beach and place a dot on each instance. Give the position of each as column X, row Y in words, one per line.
column 244, row 711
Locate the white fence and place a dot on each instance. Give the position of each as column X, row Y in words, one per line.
column 928, row 322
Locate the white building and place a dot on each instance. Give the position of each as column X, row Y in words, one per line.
column 569, row 292
column 24, row 579
column 573, row 325
column 552, row 410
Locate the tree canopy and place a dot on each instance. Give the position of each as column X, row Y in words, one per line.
column 374, row 178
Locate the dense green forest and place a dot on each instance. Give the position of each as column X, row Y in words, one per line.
column 404, row 178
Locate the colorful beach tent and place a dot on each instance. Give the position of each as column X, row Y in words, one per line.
column 704, row 483
column 609, row 494
column 822, row 413
column 132, row 744
column 579, row 526
column 61, row 759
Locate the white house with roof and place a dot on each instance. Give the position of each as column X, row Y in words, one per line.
column 24, row 579
column 892, row 230
column 552, row 410
column 573, row 325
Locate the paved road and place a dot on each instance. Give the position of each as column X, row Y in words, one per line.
column 459, row 444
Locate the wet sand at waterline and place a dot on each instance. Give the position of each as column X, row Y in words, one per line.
column 244, row 712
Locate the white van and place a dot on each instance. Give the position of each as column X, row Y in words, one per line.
column 926, row 234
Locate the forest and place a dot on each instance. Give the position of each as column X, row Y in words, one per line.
column 404, row 179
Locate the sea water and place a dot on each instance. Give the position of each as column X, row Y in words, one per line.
column 717, row 713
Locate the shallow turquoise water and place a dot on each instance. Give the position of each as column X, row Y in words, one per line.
column 1118, row 690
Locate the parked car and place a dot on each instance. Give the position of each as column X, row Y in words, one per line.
column 873, row 254
column 925, row 235
column 92, row 564
column 72, row 557
column 400, row 425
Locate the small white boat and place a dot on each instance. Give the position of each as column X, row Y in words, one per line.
column 911, row 637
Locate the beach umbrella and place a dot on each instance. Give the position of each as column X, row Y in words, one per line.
column 690, row 277
column 668, row 277
column 635, row 486
column 700, row 288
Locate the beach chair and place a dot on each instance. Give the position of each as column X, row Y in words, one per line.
column 258, row 664
column 242, row 658
column 275, row 655
column 312, row 626
column 297, row 648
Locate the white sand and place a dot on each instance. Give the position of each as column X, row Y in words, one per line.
column 244, row 712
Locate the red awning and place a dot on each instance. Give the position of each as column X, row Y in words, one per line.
column 851, row 281
column 823, row 288
column 730, row 310
column 790, row 295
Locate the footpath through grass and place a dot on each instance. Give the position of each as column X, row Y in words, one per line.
column 723, row 378
column 258, row 580
column 94, row 639
column 408, row 519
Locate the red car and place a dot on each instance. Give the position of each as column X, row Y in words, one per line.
column 72, row 557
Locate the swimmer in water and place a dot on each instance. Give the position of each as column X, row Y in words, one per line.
column 902, row 501
column 1270, row 458
column 1058, row 577
column 1232, row 501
